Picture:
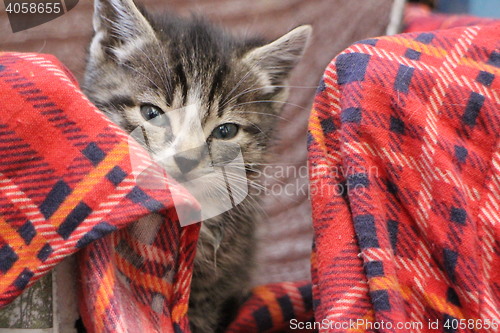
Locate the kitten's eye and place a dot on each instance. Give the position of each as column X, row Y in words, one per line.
column 225, row 131
column 154, row 115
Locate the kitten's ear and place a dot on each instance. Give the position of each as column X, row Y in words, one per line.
column 118, row 26
column 278, row 58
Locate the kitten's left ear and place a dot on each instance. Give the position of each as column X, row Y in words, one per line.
column 119, row 25
column 278, row 58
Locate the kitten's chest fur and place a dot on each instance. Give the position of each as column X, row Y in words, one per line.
column 223, row 264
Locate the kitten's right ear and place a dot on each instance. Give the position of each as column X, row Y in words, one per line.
column 119, row 27
column 275, row 60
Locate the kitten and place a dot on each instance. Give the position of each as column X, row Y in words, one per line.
column 226, row 92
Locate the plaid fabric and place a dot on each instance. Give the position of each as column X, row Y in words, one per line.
column 404, row 155
column 276, row 307
column 66, row 180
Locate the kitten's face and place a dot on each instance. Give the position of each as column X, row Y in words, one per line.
column 192, row 95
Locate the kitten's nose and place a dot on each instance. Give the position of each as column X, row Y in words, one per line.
column 186, row 164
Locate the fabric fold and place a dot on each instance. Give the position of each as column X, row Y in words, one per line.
column 67, row 180
column 403, row 150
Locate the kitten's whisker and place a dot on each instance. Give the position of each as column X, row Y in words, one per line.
column 162, row 76
column 250, row 201
column 270, row 101
column 236, row 86
column 243, row 180
column 165, row 66
column 262, row 113
column 263, row 190
column 221, row 188
column 254, row 65
column 228, row 99
column 267, row 87
column 277, row 163
column 141, row 74
column 260, row 129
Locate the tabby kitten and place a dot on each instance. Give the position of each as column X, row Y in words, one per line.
column 226, row 92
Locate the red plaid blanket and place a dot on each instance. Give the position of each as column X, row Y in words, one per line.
column 404, row 157
column 66, row 179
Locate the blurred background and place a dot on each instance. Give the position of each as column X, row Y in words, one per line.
column 484, row 8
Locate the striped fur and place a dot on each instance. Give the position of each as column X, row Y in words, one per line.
column 197, row 74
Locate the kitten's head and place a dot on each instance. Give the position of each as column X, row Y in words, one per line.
column 185, row 83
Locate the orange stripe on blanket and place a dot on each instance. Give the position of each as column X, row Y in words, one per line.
column 142, row 279
column 438, row 303
column 368, row 317
column 89, row 182
column 316, row 130
column 179, row 311
column 441, row 305
column 385, row 283
column 24, row 252
column 479, row 65
column 420, row 47
column 270, row 300
column 103, row 296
